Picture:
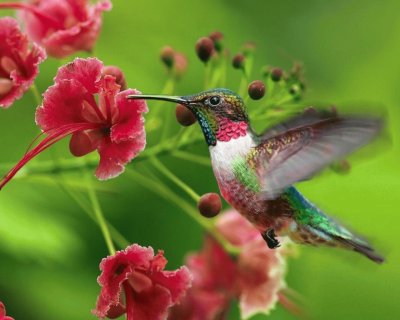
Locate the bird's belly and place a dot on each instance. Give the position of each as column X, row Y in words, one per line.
column 263, row 214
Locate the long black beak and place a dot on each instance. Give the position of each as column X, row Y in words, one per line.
column 175, row 99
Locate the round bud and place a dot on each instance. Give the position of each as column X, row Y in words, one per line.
column 256, row 90
column 167, row 56
column 184, row 116
column 249, row 48
column 333, row 111
column 204, row 48
column 209, row 205
column 276, row 74
column 266, row 71
column 238, row 61
column 116, row 73
column 341, row 167
column 310, row 111
column 294, row 90
column 217, row 37
column 180, row 64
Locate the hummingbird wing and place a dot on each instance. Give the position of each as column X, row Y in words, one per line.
column 304, row 146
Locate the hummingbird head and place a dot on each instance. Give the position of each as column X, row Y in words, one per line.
column 220, row 112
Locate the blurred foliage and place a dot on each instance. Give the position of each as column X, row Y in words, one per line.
column 50, row 248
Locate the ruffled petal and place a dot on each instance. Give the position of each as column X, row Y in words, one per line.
column 18, row 63
column 115, row 270
column 236, row 229
column 62, row 104
column 130, row 123
column 87, row 72
column 149, row 290
column 71, row 26
column 260, row 277
column 114, row 156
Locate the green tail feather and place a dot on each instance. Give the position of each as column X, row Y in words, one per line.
column 314, row 227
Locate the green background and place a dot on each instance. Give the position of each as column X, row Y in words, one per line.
column 50, row 250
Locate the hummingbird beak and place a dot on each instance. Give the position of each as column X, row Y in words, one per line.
column 174, row 99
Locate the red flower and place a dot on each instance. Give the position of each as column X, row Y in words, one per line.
column 139, row 275
column 62, row 27
column 114, row 125
column 3, row 312
column 18, row 62
column 254, row 278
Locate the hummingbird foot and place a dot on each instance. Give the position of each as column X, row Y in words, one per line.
column 270, row 238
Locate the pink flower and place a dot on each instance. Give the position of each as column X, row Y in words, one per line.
column 92, row 108
column 18, row 62
column 3, row 312
column 139, row 276
column 254, row 278
column 63, row 27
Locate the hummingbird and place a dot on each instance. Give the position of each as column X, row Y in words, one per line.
column 256, row 173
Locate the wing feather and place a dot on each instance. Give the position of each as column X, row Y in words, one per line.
column 308, row 145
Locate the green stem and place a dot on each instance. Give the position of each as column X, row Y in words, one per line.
column 116, row 235
column 207, row 72
column 164, row 170
column 76, row 164
column 35, row 94
column 205, row 161
column 99, row 215
column 162, row 190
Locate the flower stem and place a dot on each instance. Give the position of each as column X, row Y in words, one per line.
column 99, row 214
column 162, row 190
column 205, row 161
column 116, row 235
column 35, row 93
column 164, row 170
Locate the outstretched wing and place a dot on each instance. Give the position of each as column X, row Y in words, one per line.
column 306, row 146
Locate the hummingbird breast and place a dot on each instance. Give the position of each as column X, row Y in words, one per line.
column 241, row 192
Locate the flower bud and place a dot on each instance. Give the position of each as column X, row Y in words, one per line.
column 204, row 48
column 266, row 72
column 276, row 74
column 180, row 64
column 256, row 90
column 238, row 61
column 184, row 116
column 217, row 38
column 249, row 48
column 117, row 73
column 167, row 56
column 209, row 205
column 341, row 167
column 294, row 90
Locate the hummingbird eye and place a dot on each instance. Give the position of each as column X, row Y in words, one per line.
column 215, row 100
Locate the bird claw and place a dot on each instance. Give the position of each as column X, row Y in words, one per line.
column 270, row 238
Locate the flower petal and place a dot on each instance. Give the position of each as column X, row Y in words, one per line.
column 18, row 63
column 76, row 27
column 115, row 270
column 87, row 72
column 80, row 144
column 261, row 278
column 62, row 104
column 236, row 229
column 114, row 156
column 130, row 124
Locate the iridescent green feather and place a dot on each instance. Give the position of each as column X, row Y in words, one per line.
column 245, row 174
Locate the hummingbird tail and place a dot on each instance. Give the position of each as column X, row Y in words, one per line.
column 334, row 235
column 362, row 247
column 312, row 226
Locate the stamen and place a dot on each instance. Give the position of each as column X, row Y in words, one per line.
column 54, row 135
